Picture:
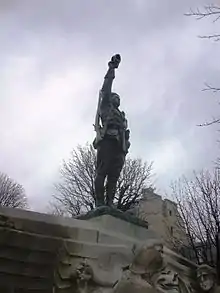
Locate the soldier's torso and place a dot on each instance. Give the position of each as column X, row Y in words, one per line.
column 112, row 118
column 114, row 125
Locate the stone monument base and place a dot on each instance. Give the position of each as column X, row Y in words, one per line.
column 45, row 253
column 123, row 223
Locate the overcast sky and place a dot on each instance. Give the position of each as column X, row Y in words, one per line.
column 53, row 57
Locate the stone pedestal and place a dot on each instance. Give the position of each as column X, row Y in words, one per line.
column 121, row 223
column 45, row 253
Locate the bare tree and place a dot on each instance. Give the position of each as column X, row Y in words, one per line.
column 209, row 11
column 12, row 194
column 213, row 13
column 75, row 193
column 198, row 201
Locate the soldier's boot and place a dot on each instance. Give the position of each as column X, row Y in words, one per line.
column 99, row 190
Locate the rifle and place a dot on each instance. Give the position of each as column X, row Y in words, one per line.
column 98, row 128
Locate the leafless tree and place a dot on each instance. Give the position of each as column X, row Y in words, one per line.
column 209, row 11
column 213, row 12
column 198, row 202
column 75, row 193
column 12, row 194
column 135, row 177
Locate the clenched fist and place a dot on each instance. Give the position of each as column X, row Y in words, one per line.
column 115, row 61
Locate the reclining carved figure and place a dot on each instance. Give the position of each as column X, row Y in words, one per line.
column 147, row 273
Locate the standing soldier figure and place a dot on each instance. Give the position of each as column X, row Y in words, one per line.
column 112, row 138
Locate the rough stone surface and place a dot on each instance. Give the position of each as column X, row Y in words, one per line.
column 43, row 253
column 27, row 260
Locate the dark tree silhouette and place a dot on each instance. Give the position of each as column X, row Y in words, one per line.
column 198, row 202
column 12, row 194
column 75, row 193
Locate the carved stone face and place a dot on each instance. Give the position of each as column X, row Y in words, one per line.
column 206, row 281
column 115, row 100
column 168, row 281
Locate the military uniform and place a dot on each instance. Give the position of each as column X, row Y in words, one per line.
column 113, row 145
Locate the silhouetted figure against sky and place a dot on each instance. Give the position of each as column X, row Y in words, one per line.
column 112, row 138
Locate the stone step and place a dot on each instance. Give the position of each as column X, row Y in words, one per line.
column 23, row 290
column 93, row 234
column 27, row 261
column 31, row 242
column 45, row 224
column 19, row 283
column 27, row 255
column 98, row 229
column 14, row 267
column 31, row 256
column 15, row 238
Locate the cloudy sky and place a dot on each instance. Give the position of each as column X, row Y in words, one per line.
column 53, row 57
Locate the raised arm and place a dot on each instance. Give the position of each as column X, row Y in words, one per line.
column 109, row 77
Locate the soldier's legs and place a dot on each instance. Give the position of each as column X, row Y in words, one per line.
column 101, row 171
column 113, row 176
column 99, row 190
column 111, row 189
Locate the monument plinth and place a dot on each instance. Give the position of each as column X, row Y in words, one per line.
column 45, row 253
column 112, row 219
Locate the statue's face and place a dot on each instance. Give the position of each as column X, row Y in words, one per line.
column 206, row 281
column 168, row 281
column 115, row 100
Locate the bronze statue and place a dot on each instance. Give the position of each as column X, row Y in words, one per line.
column 112, row 138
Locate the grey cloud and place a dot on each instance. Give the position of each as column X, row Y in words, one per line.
column 53, row 60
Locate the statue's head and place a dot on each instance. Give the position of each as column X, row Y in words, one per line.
column 115, row 99
column 206, row 278
column 148, row 259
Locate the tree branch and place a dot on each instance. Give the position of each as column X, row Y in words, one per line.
column 12, row 194
column 75, row 191
column 208, row 11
